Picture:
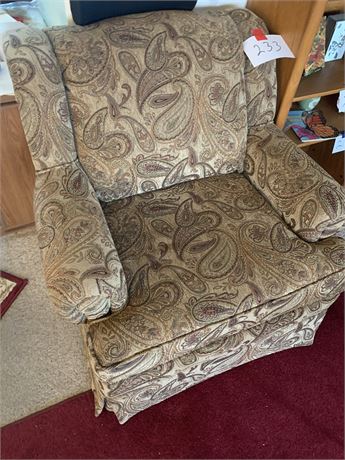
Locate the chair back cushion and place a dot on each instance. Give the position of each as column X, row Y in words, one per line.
column 155, row 98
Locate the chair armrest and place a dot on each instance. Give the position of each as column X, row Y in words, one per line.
column 310, row 201
column 84, row 275
column 83, row 272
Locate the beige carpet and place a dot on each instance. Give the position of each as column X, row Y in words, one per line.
column 42, row 358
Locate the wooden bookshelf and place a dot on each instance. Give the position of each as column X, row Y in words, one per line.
column 298, row 22
column 7, row 98
column 17, row 174
column 329, row 80
column 334, row 6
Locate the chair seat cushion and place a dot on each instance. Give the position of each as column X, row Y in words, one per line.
column 201, row 259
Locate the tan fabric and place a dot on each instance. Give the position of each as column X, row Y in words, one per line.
column 215, row 276
column 83, row 274
column 309, row 199
column 261, row 81
column 196, row 255
column 40, row 92
column 155, row 98
column 131, row 395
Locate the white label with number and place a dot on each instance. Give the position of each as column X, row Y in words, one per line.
column 260, row 51
column 339, row 143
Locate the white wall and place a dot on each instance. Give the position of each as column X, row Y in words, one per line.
column 239, row 3
column 54, row 12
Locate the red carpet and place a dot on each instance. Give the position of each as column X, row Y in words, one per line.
column 288, row 405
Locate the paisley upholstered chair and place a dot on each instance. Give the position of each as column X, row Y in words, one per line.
column 184, row 230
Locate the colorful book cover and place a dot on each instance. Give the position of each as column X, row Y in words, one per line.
column 316, row 58
column 294, row 117
column 295, row 121
column 304, row 134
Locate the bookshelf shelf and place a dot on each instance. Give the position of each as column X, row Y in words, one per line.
column 334, row 5
column 5, row 99
column 328, row 106
column 329, row 80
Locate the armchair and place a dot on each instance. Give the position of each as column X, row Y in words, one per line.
column 176, row 222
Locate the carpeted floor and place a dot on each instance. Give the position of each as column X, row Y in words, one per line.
column 42, row 359
column 287, row 405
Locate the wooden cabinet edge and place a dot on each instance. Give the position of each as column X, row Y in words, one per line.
column 17, row 180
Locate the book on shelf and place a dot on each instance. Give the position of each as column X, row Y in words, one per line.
column 316, row 57
column 301, row 123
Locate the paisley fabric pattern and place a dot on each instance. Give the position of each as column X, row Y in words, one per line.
column 201, row 258
column 199, row 272
column 309, row 200
column 129, row 395
column 83, row 274
column 156, row 99
column 261, row 81
column 40, row 93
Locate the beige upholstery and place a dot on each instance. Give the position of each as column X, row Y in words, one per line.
column 128, row 395
column 84, row 277
column 216, row 240
column 309, row 200
column 155, row 99
column 40, row 93
column 199, row 258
